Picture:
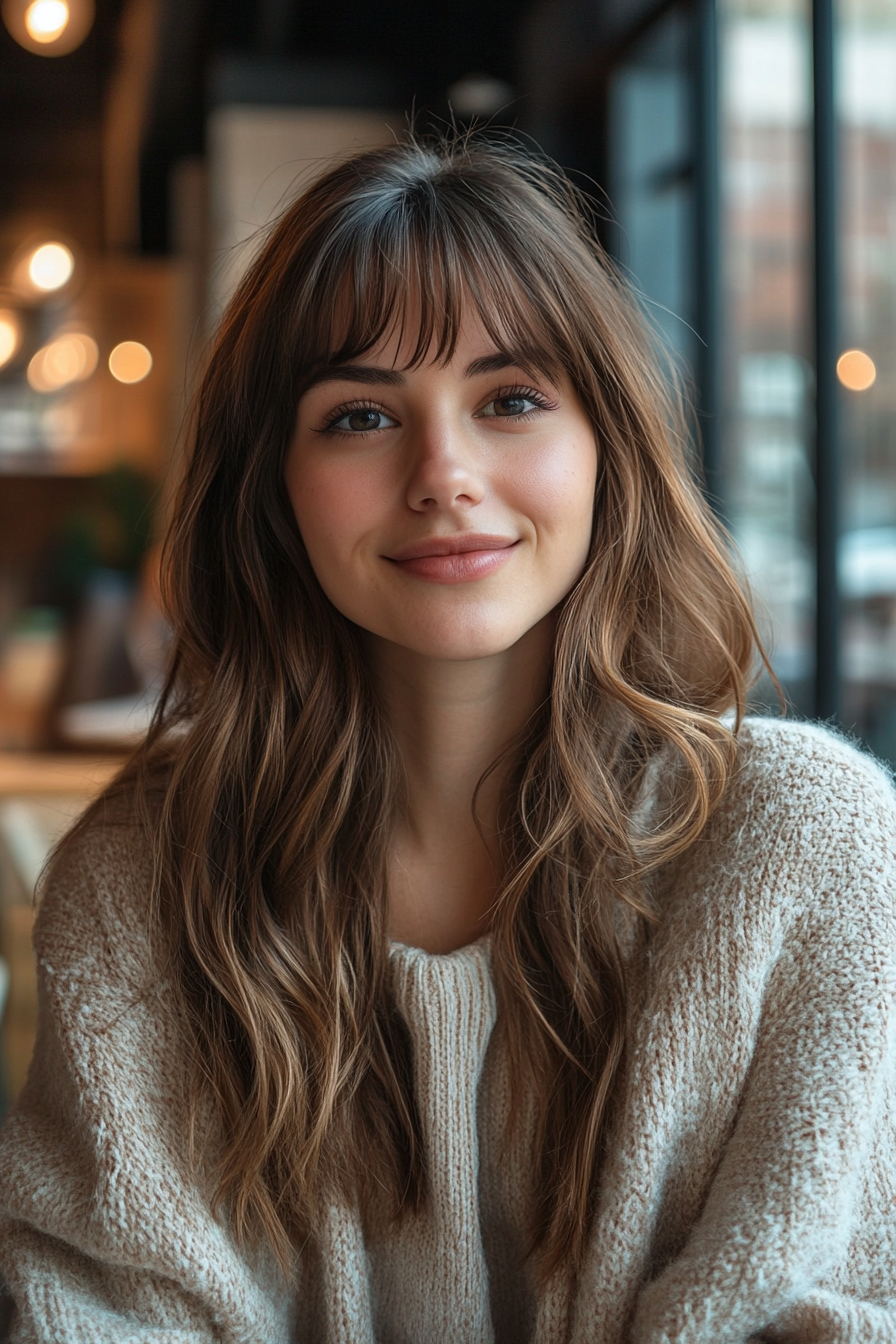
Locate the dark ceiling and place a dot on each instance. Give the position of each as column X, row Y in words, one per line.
column 51, row 110
column 51, row 113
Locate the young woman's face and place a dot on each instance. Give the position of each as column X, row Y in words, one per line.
column 446, row 508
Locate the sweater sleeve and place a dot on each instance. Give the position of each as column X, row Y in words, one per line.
column 104, row 1235
column 797, row 1239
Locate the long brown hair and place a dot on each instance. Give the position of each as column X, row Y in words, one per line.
column 278, row 789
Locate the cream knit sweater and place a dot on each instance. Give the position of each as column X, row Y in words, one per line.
column 750, row 1190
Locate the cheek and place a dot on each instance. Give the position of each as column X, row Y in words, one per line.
column 556, row 487
column 332, row 509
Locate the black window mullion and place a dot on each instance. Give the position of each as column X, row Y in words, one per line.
column 828, row 679
column 707, row 241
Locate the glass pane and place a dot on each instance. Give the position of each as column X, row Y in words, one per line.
column 867, row 114
column 765, row 90
column 651, row 177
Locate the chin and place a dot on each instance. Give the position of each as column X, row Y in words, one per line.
column 457, row 652
column 457, row 645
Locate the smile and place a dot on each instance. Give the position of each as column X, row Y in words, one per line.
column 454, row 559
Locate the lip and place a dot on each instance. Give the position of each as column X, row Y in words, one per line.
column 454, row 559
column 459, row 545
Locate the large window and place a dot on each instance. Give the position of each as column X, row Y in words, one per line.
column 651, row 177
column 866, row 105
column 764, row 51
column 762, row 145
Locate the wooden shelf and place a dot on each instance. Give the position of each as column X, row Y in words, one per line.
column 38, row 774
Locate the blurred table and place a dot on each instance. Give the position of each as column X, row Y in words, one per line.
column 108, row 725
column 40, row 797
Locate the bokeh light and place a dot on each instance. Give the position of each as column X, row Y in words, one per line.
column 46, row 20
column 51, row 266
column 130, row 362
column 70, row 358
column 48, row 27
column 856, row 370
column 10, row 335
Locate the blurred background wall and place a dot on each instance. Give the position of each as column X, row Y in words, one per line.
column 742, row 154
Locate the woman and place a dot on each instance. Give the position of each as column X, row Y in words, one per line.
column 453, row 963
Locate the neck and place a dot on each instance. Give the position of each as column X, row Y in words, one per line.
column 452, row 719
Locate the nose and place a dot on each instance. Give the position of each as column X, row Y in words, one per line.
column 445, row 470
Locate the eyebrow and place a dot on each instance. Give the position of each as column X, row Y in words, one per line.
column 374, row 375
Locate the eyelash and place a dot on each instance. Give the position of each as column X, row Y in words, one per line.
column 539, row 400
column 349, row 408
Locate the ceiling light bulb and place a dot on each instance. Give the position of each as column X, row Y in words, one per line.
column 130, row 362
column 48, row 27
column 51, row 266
column 46, row 20
column 9, row 335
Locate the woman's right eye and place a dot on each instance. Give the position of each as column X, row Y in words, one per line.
column 359, row 420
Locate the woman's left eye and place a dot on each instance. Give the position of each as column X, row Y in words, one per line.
column 513, row 405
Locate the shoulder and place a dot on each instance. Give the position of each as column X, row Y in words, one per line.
column 94, row 900
column 811, row 755
column 798, row 860
column 806, row 831
column 806, row 776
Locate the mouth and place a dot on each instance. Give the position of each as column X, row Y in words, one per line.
column 454, row 559
column 460, row 545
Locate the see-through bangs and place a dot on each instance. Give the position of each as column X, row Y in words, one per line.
column 417, row 275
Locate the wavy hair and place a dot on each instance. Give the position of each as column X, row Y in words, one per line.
column 276, row 796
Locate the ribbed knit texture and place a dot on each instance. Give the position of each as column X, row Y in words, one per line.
column 449, row 1005
column 749, row 1190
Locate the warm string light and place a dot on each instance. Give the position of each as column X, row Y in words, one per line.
column 47, row 20
column 70, row 358
column 10, row 335
column 51, row 266
column 73, row 356
column 130, row 362
column 49, row 27
column 856, row 370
